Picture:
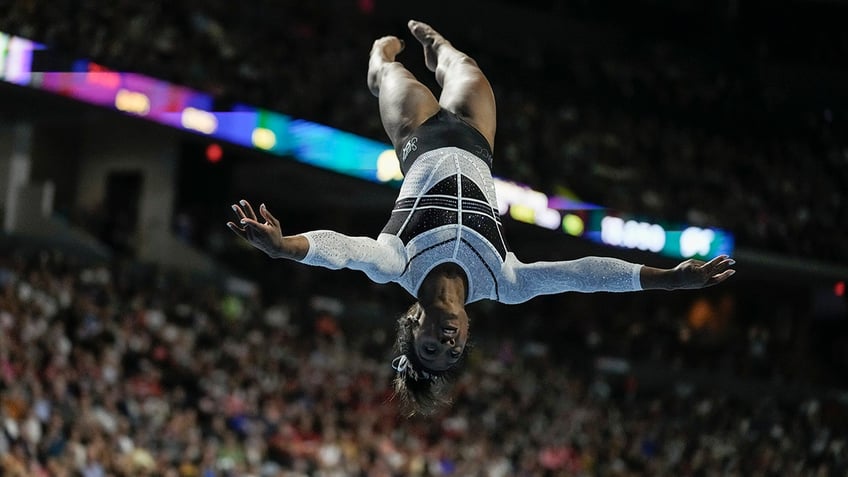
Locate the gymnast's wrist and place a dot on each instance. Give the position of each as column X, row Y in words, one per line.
column 659, row 278
column 293, row 247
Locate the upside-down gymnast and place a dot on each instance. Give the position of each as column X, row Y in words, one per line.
column 444, row 242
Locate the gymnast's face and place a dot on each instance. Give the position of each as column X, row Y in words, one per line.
column 440, row 337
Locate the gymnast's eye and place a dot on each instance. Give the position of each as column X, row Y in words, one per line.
column 430, row 349
column 456, row 354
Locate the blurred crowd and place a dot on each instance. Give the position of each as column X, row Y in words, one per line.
column 743, row 128
column 121, row 370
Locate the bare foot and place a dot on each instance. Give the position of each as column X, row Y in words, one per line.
column 430, row 39
column 387, row 47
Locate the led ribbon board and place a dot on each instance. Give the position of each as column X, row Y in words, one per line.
column 322, row 146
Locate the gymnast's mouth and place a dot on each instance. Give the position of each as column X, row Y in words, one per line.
column 450, row 330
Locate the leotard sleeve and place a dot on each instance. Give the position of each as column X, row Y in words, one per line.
column 383, row 260
column 523, row 281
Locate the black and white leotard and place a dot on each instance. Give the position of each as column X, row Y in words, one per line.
column 447, row 211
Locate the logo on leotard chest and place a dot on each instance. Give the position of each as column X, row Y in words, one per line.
column 411, row 145
column 484, row 153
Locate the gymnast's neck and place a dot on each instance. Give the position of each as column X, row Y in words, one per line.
column 446, row 284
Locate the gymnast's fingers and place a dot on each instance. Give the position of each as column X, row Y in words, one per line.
column 248, row 222
column 268, row 216
column 249, row 213
column 238, row 211
column 716, row 279
column 240, row 231
column 715, row 261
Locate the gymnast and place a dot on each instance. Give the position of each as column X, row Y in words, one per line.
column 444, row 240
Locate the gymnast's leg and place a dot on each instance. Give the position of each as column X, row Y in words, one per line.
column 405, row 103
column 465, row 90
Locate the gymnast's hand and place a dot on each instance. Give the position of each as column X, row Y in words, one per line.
column 266, row 236
column 693, row 273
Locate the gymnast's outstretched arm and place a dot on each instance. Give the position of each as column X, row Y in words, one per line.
column 592, row 274
column 382, row 260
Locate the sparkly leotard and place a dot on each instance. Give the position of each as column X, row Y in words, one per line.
column 446, row 211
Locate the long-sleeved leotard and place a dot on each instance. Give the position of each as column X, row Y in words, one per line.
column 446, row 211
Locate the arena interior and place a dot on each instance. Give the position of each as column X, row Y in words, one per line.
column 140, row 337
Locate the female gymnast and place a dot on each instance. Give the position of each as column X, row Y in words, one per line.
column 444, row 241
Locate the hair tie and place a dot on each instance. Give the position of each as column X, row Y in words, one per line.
column 403, row 367
column 400, row 363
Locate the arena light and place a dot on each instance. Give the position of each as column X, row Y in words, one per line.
column 548, row 218
column 132, row 102
column 388, row 166
column 199, row 120
column 632, row 234
column 522, row 213
column 696, row 241
column 263, row 138
column 263, row 129
column 4, row 48
column 101, row 76
column 17, row 59
column 573, row 225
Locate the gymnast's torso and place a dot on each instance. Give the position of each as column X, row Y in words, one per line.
column 447, row 212
column 447, row 209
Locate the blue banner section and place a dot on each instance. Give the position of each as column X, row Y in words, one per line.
column 329, row 148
